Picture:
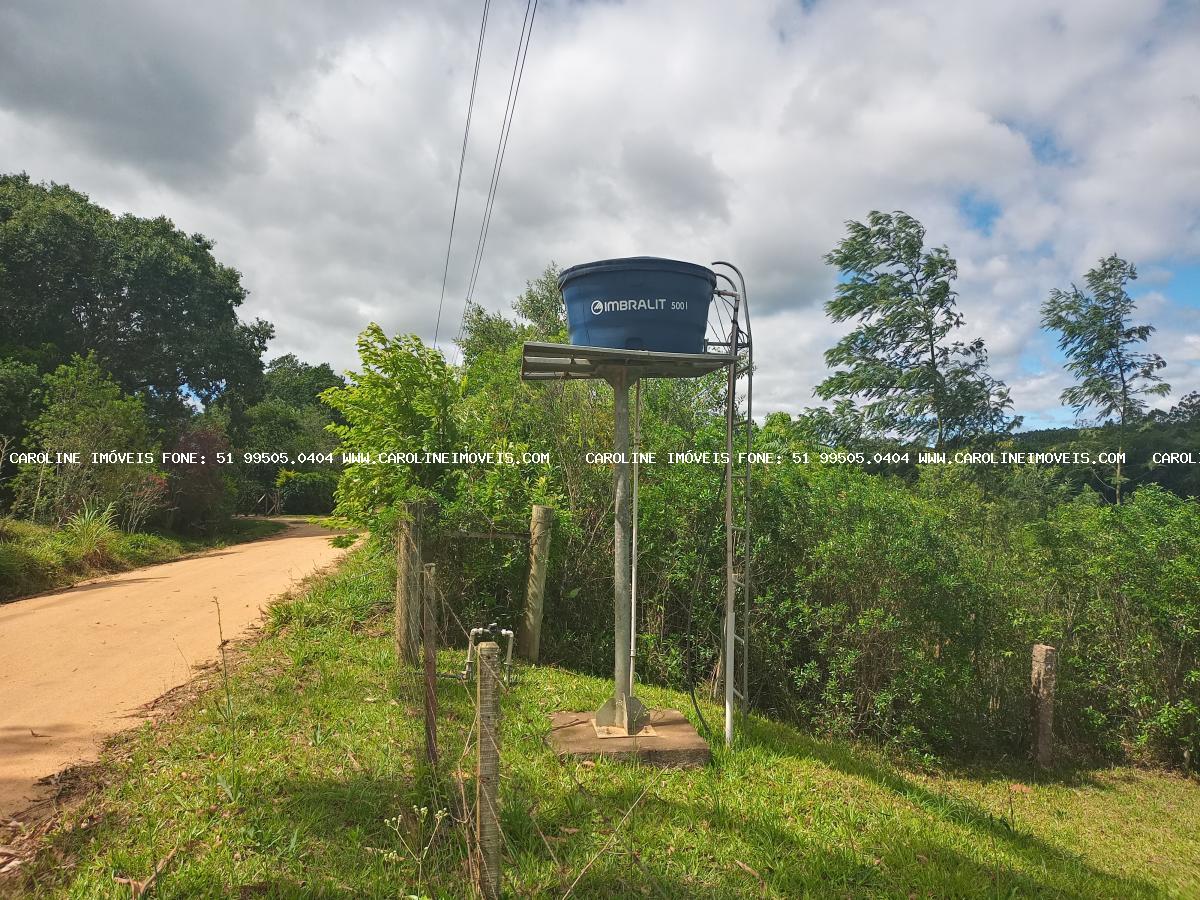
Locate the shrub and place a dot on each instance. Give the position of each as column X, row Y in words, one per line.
column 201, row 492
column 90, row 534
column 308, row 493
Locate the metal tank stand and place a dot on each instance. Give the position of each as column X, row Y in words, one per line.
column 622, row 715
column 739, row 437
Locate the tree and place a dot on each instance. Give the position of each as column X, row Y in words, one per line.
column 85, row 411
column 1186, row 411
column 400, row 402
column 1112, row 376
column 540, row 306
column 297, row 383
column 201, row 491
column 914, row 382
column 20, row 387
column 152, row 303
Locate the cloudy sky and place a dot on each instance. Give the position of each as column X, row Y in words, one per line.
column 318, row 143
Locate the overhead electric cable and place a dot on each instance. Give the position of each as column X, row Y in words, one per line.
column 498, row 165
column 510, row 108
column 461, row 163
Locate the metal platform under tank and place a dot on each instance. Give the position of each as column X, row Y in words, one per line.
column 555, row 362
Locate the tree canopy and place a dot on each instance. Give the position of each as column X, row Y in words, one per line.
column 1112, row 376
column 151, row 302
column 900, row 361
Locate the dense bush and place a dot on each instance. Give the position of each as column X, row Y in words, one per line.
column 83, row 411
column 201, row 491
column 898, row 609
column 306, row 492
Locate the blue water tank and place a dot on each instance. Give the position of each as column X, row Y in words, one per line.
column 638, row 303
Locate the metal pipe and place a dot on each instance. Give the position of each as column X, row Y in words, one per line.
column 633, row 579
column 748, row 574
column 507, row 632
column 731, row 586
column 622, row 588
column 469, row 669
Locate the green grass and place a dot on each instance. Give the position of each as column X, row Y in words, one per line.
column 36, row 558
column 285, row 785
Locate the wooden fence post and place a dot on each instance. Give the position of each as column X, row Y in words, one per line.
column 530, row 638
column 487, row 780
column 1042, row 684
column 408, row 586
column 429, row 617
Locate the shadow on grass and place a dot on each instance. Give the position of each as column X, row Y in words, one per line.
column 1063, row 870
column 744, row 853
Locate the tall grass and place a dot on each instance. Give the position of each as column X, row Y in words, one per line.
column 36, row 558
column 92, row 531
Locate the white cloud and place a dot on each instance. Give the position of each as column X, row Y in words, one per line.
column 320, row 151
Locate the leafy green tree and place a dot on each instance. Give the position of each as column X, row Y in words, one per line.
column 1100, row 341
column 150, row 301
column 20, row 387
column 540, row 306
column 400, row 401
column 1186, row 411
column 1113, row 377
column 913, row 381
column 297, row 383
column 290, row 419
column 85, row 411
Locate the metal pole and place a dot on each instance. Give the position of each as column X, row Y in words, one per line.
column 730, row 584
column 633, row 579
column 741, row 338
column 621, row 711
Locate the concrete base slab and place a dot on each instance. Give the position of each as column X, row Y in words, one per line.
column 674, row 743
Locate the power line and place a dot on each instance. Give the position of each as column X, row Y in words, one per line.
column 461, row 162
column 510, row 114
column 510, row 109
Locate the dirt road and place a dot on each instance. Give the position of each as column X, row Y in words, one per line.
column 76, row 665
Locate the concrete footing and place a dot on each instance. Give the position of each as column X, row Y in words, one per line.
column 670, row 743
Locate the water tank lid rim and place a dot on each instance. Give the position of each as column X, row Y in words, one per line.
column 635, row 263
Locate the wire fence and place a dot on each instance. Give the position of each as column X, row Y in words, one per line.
column 466, row 772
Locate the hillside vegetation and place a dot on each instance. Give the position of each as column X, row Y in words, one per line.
column 299, row 778
column 895, row 602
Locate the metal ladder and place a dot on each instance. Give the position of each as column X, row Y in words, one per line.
column 739, row 436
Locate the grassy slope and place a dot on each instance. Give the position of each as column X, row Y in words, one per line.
column 36, row 558
column 282, row 790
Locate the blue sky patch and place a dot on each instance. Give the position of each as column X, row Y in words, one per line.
column 980, row 212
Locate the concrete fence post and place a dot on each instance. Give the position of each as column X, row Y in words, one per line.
column 408, row 586
column 530, row 637
column 1042, row 680
column 487, row 780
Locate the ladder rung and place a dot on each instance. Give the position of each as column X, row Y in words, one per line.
column 740, row 639
column 738, row 694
